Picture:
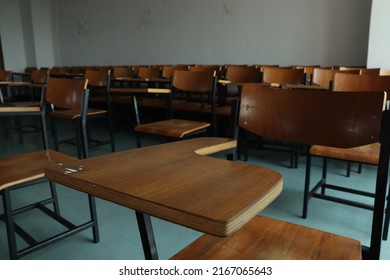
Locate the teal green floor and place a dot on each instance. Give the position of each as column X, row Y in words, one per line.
column 119, row 237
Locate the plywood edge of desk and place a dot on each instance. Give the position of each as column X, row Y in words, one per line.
column 255, row 209
column 21, row 181
column 211, row 149
column 140, row 90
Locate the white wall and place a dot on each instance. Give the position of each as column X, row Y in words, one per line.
column 379, row 39
column 12, row 37
column 116, row 32
column 43, row 34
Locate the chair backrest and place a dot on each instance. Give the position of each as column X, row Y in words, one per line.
column 66, row 93
column 351, row 82
column 29, row 69
column 194, row 81
column 216, row 68
column 280, row 75
column 263, row 66
column 243, row 74
column 369, row 71
column 337, row 119
column 325, row 76
column 97, row 78
column 60, row 70
column 308, row 70
column 123, row 72
column 167, row 70
column 39, row 76
column 5, row 75
column 77, row 69
column 145, row 72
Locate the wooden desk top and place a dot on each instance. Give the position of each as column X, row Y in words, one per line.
column 176, row 182
column 127, row 91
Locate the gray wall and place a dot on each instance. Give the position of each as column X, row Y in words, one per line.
column 122, row 32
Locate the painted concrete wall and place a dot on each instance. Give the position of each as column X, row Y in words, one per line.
column 123, row 32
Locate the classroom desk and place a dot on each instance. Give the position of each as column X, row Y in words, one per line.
column 178, row 183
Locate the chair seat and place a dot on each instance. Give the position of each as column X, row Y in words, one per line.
column 365, row 154
column 269, row 239
column 172, row 128
column 74, row 114
column 23, row 168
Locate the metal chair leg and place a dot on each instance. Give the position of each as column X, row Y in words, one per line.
column 92, row 209
column 10, row 226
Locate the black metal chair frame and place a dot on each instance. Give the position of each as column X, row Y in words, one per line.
column 41, row 114
column 379, row 195
column 95, row 142
column 13, row 229
column 81, row 135
column 170, row 109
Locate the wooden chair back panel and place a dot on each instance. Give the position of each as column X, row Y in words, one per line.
column 97, row 78
column 216, row 68
column 167, row 70
column 334, row 119
column 66, row 93
column 39, row 76
column 283, row 75
column 325, row 76
column 149, row 72
column 369, row 71
column 243, row 74
column 30, row 69
column 60, row 70
column 194, row 81
column 123, row 72
column 77, row 69
column 350, row 82
column 263, row 66
column 5, row 75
